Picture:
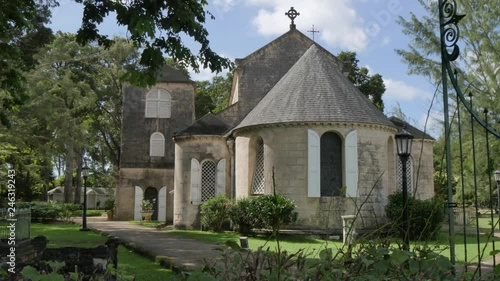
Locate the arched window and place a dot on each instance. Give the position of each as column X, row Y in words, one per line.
column 409, row 173
column 258, row 173
column 158, row 104
column 157, row 145
column 331, row 164
column 208, row 180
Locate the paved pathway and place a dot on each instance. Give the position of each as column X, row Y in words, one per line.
column 177, row 252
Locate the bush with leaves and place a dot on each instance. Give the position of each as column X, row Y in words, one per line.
column 214, row 212
column 365, row 261
column 68, row 211
column 425, row 216
column 244, row 216
column 275, row 211
column 42, row 211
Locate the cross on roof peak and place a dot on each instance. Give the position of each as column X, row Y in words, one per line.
column 292, row 14
column 313, row 31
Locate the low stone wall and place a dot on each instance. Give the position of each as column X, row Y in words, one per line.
column 88, row 261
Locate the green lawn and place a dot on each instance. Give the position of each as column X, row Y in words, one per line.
column 287, row 242
column 129, row 263
column 486, row 222
column 312, row 245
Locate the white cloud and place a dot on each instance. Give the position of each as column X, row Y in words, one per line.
column 399, row 90
column 225, row 5
column 337, row 21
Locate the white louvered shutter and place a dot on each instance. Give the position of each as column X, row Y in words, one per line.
column 138, row 196
column 195, row 182
column 157, row 145
column 152, row 104
column 351, row 164
column 313, row 164
column 164, row 104
column 221, row 177
column 162, row 204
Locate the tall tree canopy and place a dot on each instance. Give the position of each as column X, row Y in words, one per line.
column 22, row 34
column 478, row 69
column 213, row 96
column 155, row 27
column 372, row 86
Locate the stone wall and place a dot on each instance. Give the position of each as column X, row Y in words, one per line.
column 129, row 178
column 137, row 129
column 423, row 168
column 186, row 214
column 286, row 152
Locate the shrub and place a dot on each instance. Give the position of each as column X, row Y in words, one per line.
column 90, row 213
column 42, row 211
column 68, row 211
column 274, row 211
column 109, row 204
column 244, row 216
column 214, row 212
column 426, row 216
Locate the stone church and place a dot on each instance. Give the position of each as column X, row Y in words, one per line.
column 292, row 112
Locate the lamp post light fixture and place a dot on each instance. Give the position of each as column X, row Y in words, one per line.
column 85, row 175
column 403, row 145
column 497, row 179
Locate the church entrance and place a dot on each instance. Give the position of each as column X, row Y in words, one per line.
column 151, row 194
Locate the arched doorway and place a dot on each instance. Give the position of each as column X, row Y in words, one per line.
column 151, row 194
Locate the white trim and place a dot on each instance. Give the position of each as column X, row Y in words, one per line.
column 313, row 164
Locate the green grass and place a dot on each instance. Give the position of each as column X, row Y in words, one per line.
column 313, row 245
column 485, row 222
column 66, row 235
column 152, row 224
column 287, row 242
column 129, row 263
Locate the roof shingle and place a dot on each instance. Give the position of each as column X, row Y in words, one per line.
column 314, row 90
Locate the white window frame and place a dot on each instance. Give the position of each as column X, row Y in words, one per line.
column 158, row 104
column 157, row 145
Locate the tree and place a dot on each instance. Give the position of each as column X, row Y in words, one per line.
column 372, row 86
column 477, row 69
column 22, row 34
column 213, row 96
column 156, row 27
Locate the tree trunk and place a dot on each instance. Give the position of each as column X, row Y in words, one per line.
column 68, row 174
column 78, row 185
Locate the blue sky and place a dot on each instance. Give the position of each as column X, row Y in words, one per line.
column 367, row 27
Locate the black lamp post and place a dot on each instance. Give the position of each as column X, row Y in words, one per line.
column 403, row 144
column 497, row 179
column 85, row 175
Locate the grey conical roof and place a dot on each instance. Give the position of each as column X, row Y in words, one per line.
column 314, row 90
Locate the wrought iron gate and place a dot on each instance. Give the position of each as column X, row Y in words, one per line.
column 469, row 169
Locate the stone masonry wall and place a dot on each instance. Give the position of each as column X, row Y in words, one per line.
column 144, row 178
column 186, row 214
column 137, row 129
column 287, row 153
